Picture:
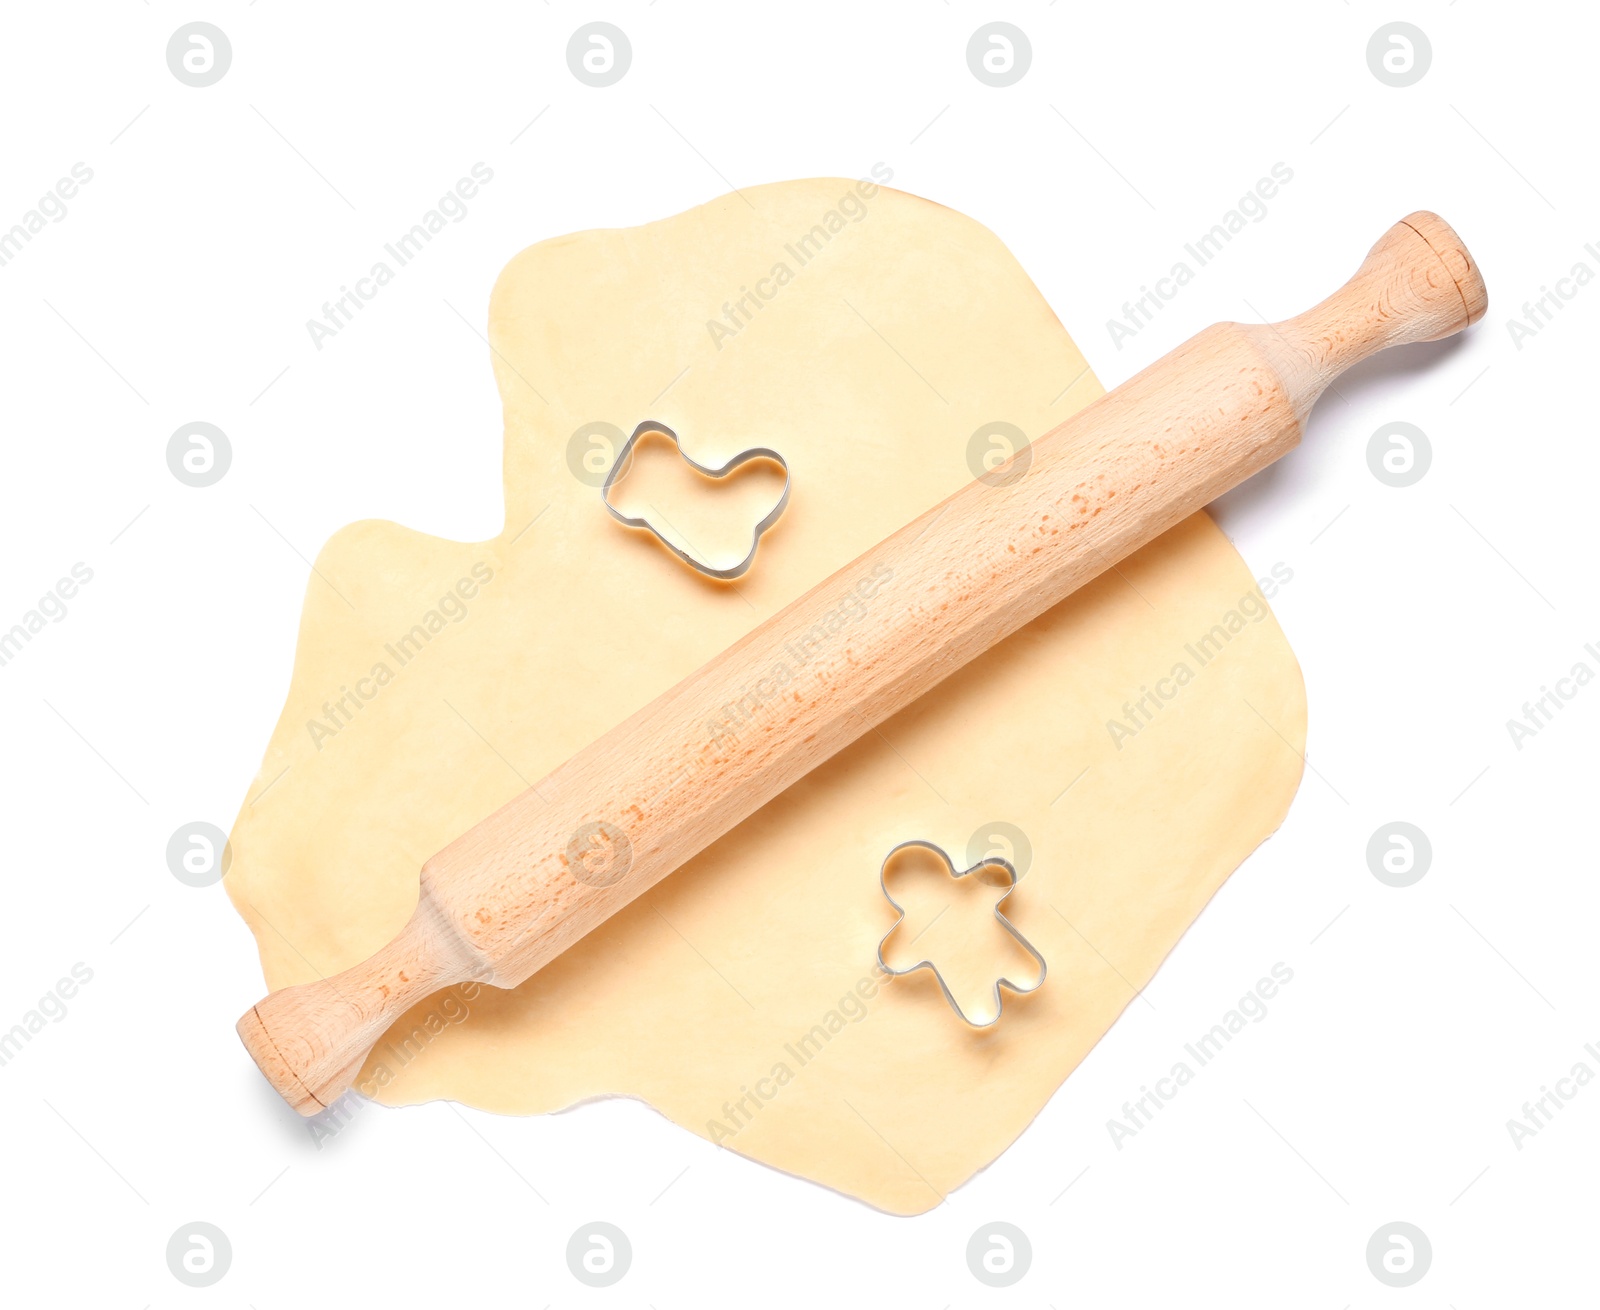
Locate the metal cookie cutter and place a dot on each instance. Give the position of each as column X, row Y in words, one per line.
column 743, row 457
column 1003, row 921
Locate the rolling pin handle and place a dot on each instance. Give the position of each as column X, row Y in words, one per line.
column 310, row 1040
column 1418, row 283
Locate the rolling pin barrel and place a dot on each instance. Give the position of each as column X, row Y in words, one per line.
column 505, row 898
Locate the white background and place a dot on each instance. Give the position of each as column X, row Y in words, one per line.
column 177, row 288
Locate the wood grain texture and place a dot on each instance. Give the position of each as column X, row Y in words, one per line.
column 516, row 890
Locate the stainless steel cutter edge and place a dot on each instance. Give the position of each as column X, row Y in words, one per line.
column 1001, row 918
column 743, row 457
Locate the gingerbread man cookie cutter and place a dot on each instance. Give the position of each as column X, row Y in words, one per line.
column 992, row 861
column 743, row 457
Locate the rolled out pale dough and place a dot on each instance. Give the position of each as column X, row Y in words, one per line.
column 867, row 335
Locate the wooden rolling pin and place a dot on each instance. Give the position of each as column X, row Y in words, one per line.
column 504, row 899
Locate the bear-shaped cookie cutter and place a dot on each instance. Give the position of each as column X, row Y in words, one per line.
column 743, row 457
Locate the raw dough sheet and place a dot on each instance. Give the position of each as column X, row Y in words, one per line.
column 740, row 998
